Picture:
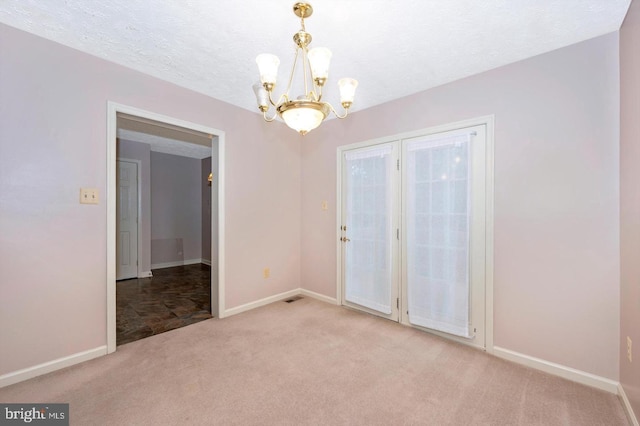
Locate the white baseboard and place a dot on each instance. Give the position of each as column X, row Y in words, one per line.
column 278, row 297
column 318, row 296
column 175, row 263
column 627, row 406
column 48, row 367
column 261, row 302
column 206, row 262
column 145, row 274
column 568, row 373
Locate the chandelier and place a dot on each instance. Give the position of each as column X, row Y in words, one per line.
column 307, row 111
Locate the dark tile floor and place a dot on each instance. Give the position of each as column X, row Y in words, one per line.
column 173, row 298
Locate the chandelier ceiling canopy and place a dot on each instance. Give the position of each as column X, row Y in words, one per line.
column 306, row 111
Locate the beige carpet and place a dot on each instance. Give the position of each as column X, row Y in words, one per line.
column 311, row 363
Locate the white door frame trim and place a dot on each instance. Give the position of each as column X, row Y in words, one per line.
column 217, row 300
column 488, row 121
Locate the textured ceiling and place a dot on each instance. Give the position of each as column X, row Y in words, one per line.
column 394, row 48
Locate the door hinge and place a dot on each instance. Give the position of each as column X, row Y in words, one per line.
column 398, row 164
column 397, row 303
column 398, row 233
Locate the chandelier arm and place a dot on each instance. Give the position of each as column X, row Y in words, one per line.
column 271, row 99
column 267, row 119
column 313, row 96
column 281, row 99
column 346, row 111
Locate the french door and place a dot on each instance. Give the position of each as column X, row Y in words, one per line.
column 413, row 231
column 370, row 224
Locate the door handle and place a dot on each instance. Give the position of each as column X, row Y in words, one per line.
column 344, row 239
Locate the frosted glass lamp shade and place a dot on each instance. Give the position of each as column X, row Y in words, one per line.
column 268, row 66
column 303, row 117
column 262, row 96
column 347, row 89
column 319, row 59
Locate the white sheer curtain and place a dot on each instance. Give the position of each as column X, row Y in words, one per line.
column 438, row 216
column 368, row 208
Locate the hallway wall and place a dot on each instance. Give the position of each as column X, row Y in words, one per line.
column 176, row 212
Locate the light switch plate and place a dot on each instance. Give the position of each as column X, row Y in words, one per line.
column 89, row 196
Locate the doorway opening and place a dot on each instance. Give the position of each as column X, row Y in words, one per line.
column 165, row 227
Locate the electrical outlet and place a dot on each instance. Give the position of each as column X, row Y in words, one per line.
column 266, row 273
column 629, row 347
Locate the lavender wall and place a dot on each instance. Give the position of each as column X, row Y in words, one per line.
column 176, row 209
column 556, row 239
column 53, row 111
column 630, row 202
column 141, row 152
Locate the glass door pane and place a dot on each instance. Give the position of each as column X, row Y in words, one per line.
column 369, row 176
column 438, row 212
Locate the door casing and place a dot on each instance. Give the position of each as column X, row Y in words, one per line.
column 217, row 297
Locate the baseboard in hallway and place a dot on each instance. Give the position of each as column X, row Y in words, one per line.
column 176, row 263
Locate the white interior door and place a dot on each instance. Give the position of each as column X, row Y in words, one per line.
column 369, row 229
column 127, row 220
